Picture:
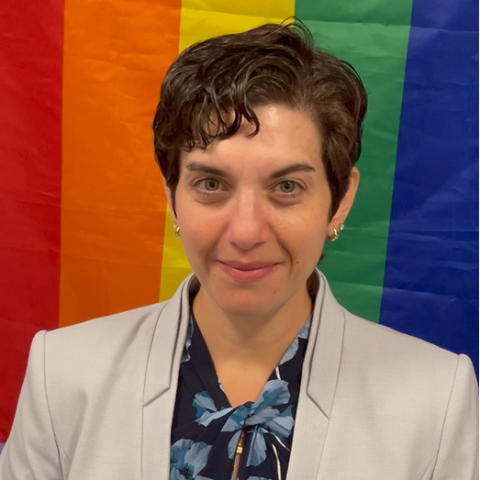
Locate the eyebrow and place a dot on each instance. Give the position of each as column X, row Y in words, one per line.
column 205, row 168
column 296, row 167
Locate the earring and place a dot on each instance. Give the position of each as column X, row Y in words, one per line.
column 336, row 233
column 176, row 230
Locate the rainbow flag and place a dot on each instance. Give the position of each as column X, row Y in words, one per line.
column 85, row 230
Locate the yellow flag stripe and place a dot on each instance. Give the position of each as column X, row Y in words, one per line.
column 200, row 20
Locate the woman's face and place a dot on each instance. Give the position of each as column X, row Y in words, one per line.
column 253, row 211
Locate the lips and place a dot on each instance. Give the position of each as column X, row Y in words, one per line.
column 247, row 272
column 248, row 266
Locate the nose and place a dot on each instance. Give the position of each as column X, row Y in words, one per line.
column 247, row 225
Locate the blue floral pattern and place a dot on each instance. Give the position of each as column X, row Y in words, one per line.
column 187, row 459
column 206, row 429
column 290, row 353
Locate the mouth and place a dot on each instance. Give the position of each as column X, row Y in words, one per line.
column 248, row 272
column 248, row 266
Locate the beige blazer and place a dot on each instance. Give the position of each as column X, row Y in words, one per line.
column 98, row 399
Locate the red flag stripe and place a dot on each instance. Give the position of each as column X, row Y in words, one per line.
column 31, row 35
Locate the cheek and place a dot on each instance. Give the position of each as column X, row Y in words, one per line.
column 304, row 237
column 311, row 245
column 317, row 231
column 199, row 236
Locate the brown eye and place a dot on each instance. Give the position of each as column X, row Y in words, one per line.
column 287, row 186
column 211, row 184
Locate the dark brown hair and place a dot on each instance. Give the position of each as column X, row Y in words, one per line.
column 226, row 77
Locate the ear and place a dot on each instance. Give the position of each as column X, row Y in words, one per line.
column 346, row 203
column 168, row 194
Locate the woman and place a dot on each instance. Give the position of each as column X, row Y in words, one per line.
column 252, row 370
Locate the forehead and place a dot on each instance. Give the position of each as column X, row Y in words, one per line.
column 285, row 135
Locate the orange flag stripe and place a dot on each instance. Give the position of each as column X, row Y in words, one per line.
column 112, row 223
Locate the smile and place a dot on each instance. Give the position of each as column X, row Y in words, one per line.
column 247, row 272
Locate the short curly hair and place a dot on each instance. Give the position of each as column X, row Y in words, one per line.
column 226, row 77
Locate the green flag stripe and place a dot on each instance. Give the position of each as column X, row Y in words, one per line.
column 373, row 38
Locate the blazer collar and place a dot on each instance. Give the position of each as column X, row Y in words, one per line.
column 322, row 359
column 319, row 380
column 167, row 342
column 160, row 383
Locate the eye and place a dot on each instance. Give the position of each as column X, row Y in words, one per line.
column 210, row 184
column 288, row 192
column 288, row 186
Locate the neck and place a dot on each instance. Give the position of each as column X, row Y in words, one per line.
column 252, row 338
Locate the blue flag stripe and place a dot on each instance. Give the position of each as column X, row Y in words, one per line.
column 431, row 276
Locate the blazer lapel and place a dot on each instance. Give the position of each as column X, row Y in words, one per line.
column 161, row 384
column 319, row 380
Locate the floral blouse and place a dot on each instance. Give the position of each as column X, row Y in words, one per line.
column 206, row 429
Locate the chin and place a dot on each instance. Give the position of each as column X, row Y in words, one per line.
column 247, row 304
column 246, row 310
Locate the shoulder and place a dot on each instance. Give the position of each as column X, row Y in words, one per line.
column 116, row 345
column 93, row 375
column 98, row 365
column 92, row 353
column 391, row 364
column 368, row 345
column 376, row 383
column 106, row 333
column 375, row 340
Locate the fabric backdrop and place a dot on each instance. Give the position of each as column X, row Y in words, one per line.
column 84, row 227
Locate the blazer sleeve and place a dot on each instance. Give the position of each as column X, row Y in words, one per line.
column 31, row 452
column 458, row 450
